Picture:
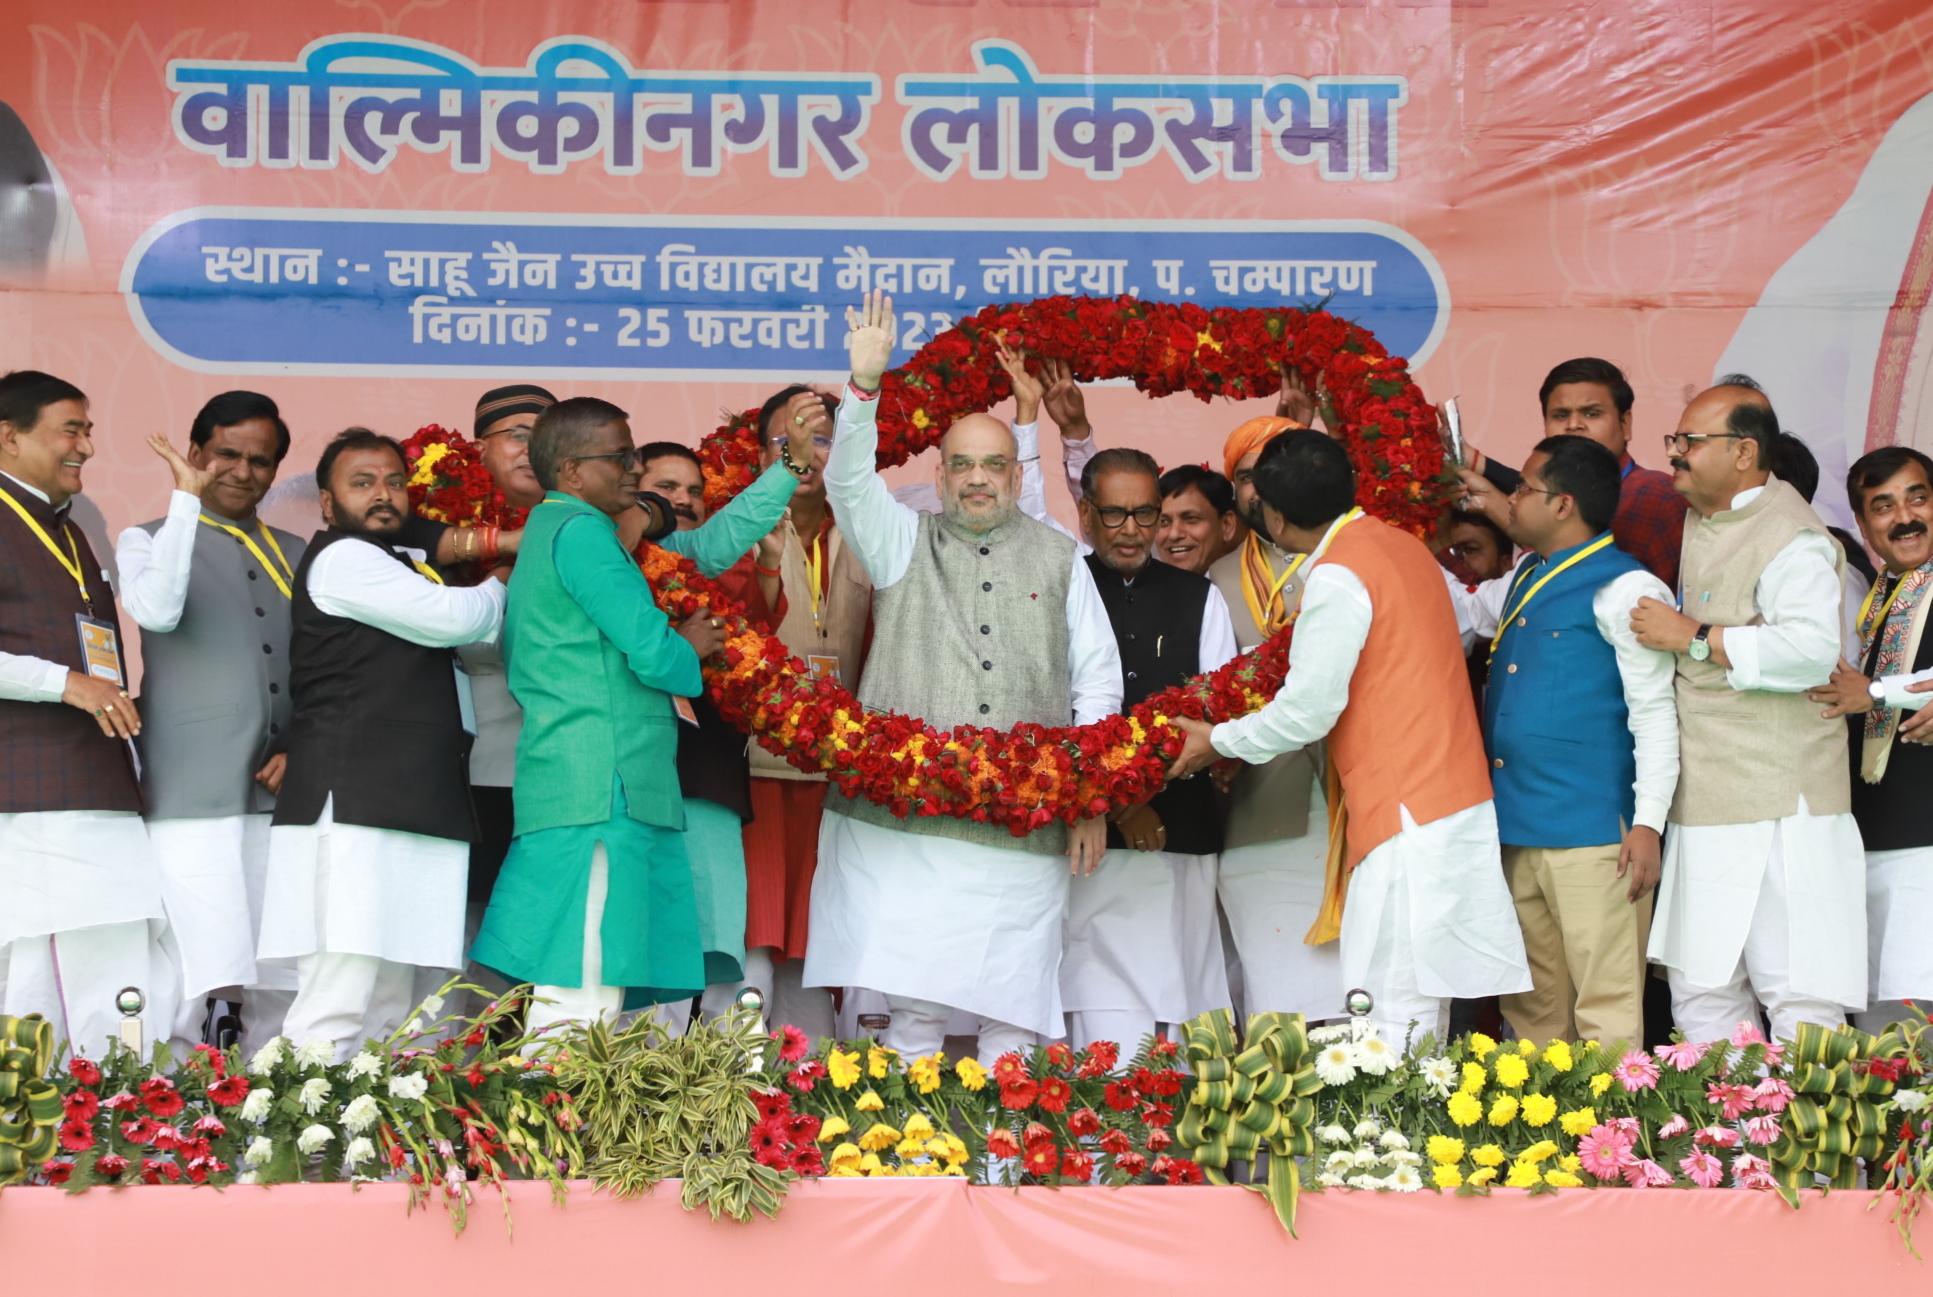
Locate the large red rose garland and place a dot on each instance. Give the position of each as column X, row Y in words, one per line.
column 1032, row 775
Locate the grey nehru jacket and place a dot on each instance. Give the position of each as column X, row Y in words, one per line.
column 215, row 689
column 974, row 634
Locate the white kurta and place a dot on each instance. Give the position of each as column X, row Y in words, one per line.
column 348, row 888
column 1899, row 915
column 1714, row 874
column 1456, row 925
column 1271, row 893
column 958, row 923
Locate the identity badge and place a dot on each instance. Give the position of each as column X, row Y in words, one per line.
column 101, row 649
column 686, row 712
column 824, row 666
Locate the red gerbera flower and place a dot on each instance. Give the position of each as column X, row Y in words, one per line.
column 1016, row 1097
column 1131, row 1164
column 1077, row 1166
column 1120, row 1096
column 81, row 1105
column 794, row 1043
column 1158, row 1140
column 1182, row 1171
column 1158, row 1114
column 141, row 1130
column 1001, row 1143
column 1083, row 1121
column 808, row 1160
column 1115, row 1142
column 771, row 1103
column 1166, row 1083
column 57, row 1172
column 802, row 1127
column 1008, row 1070
column 1059, row 1055
column 111, row 1165
column 229, row 1091
column 1165, row 1049
column 1055, row 1094
column 76, row 1136
column 122, row 1102
column 84, row 1071
column 1041, row 1159
column 770, row 1147
column 163, row 1100
column 1102, row 1055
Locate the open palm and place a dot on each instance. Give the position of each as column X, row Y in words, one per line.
column 872, row 331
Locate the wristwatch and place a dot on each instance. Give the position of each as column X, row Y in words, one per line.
column 1877, row 688
column 1700, row 647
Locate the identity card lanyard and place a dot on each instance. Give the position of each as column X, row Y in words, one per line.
column 1600, row 543
column 268, row 567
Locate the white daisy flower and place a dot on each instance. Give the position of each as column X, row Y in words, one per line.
column 1404, row 1179
column 1328, row 1181
column 1403, row 1157
column 1336, row 1065
column 313, row 1138
column 1368, row 1128
column 1366, row 1157
column 1394, row 1139
column 1374, row 1056
column 1340, row 1160
column 1440, row 1074
column 1365, row 1182
column 1333, row 1134
column 1325, row 1035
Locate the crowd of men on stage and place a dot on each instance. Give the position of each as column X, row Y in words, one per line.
column 1614, row 720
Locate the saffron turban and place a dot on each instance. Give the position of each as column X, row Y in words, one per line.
column 1251, row 437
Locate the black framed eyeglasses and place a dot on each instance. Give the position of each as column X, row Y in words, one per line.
column 1525, row 488
column 627, row 459
column 1677, row 443
column 1113, row 516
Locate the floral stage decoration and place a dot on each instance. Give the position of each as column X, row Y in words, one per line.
column 1026, row 778
column 736, row 1114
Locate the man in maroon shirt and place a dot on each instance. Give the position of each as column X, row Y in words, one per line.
column 1589, row 397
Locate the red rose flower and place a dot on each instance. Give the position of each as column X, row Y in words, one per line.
column 1055, row 1094
column 84, row 1071
column 1084, row 1121
column 794, row 1043
column 57, row 1172
column 229, row 1091
column 76, row 1136
column 1131, row 1164
column 161, row 1097
column 111, row 1165
column 1001, row 1143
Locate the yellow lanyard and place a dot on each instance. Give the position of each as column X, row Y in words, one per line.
column 73, row 564
column 268, row 567
column 1865, row 632
column 1257, row 557
column 1602, row 542
column 815, row 568
column 426, row 570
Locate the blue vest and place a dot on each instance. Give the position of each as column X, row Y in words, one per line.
column 1554, row 721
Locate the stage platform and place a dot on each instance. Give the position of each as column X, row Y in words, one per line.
column 934, row 1237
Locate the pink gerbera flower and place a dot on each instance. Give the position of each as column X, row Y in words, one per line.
column 1716, row 1137
column 1734, row 1101
column 1772, row 1094
column 1676, row 1126
column 1763, row 1129
column 1605, row 1152
column 1683, row 1054
column 1646, row 1174
column 1705, row 1170
column 1748, row 1033
column 1749, row 1172
column 1636, row 1071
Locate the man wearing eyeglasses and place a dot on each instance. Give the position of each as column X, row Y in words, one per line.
column 1762, row 900
column 984, row 617
column 1581, row 729
column 597, row 904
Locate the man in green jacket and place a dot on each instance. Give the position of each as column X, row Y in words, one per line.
column 595, row 903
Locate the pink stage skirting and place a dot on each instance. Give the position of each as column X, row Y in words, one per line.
column 934, row 1237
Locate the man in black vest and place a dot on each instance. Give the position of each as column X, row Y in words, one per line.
column 369, row 853
column 1142, row 945
column 1891, row 490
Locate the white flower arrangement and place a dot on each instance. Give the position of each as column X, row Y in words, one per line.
column 315, row 1052
column 360, row 1150
column 1365, row 1182
column 255, row 1107
column 1394, row 1139
column 1368, row 1128
column 1336, row 1064
column 268, row 1057
column 1909, row 1100
column 1329, row 1180
column 313, row 1138
column 1440, row 1074
column 364, row 1064
column 1374, row 1057
column 409, row 1087
column 1328, row 1035
column 1404, row 1179
column 1333, row 1135
column 260, row 1150
column 314, row 1094
column 362, row 1113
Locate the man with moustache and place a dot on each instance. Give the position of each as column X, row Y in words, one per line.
column 984, row 617
column 370, row 845
column 1198, row 520
column 1143, row 945
column 596, row 905
column 1762, row 900
column 210, row 585
column 1582, row 731
column 83, row 915
column 1891, row 490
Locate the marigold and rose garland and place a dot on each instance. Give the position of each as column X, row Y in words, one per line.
column 1026, row 778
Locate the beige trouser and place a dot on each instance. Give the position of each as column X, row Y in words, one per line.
column 1585, row 942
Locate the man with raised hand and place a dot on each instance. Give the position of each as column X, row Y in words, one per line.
column 82, row 915
column 1376, row 666
column 1763, row 898
column 369, row 852
column 210, row 585
column 982, row 617
column 1891, row 490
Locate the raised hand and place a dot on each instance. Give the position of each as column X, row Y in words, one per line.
column 187, row 477
column 1027, row 389
column 1295, row 402
column 871, row 331
column 1066, row 404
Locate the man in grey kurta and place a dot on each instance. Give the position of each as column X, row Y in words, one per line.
column 209, row 586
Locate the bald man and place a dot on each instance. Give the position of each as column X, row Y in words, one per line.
column 982, row 616
column 1762, row 901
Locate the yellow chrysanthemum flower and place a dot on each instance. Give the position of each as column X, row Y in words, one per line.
column 1512, row 1071
column 1577, row 1122
column 1474, row 1077
column 1559, row 1056
column 844, row 1160
column 971, row 1074
column 1487, row 1155
column 1561, row 1179
column 1481, row 1045
column 870, row 1102
column 911, row 1148
column 1528, row 1048
column 926, row 1071
column 1522, row 1175
column 1446, row 1177
column 1570, row 1162
column 1542, row 1151
column 878, row 1137
column 842, row 1068
column 1504, row 1110
column 1600, row 1083
column 1445, row 1151
column 956, row 1150
column 879, row 1061
column 919, row 1127
column 1482, row 1176
column 832, row 1128
column 1464, row 1108
column 1539, row 1109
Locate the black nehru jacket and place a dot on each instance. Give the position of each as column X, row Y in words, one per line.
column 711, row 761
column 377, row 722
column 1157, row 623
column 1892, row 813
